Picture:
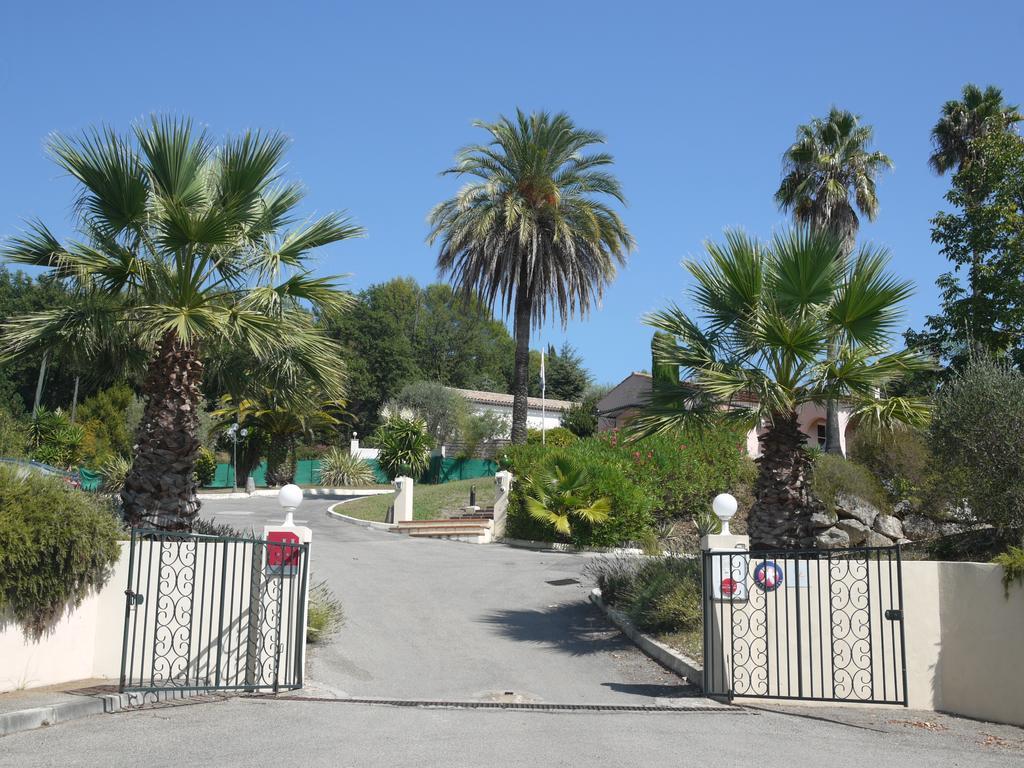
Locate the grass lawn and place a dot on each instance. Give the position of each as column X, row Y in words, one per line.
column 428, row 501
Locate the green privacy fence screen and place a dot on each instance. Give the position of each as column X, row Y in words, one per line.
column 307, row 472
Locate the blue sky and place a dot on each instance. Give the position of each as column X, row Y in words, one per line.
column 698, row 103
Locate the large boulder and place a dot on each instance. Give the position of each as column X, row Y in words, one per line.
column 853, row 507
column 855, row 529
column 819, row 521
column 889, row 526
column 832, row 538
column 875, row 539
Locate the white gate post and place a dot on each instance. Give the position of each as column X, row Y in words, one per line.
column 502, row 489
column 403, row 499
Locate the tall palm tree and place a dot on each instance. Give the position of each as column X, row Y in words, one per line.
column 529, row 228
column 761, row 346
column 188, row 243
column 829, row 175
column 977, row 114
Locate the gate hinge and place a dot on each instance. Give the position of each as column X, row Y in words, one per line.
column 894, row 614
column 134, row 598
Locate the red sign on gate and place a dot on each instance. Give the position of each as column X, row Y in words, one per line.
column 282, row 560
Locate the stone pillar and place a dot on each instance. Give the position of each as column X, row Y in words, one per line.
column 502, row 489
column 353, row 445
column 403, row 499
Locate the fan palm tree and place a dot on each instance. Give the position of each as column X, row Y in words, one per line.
column 829, row 175
column 190, row 244
column 761, row 346
column 561, row 491
column 529, row 228
column 977, row 114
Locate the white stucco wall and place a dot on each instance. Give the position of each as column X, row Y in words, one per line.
column 809, row 416
column 535, row 419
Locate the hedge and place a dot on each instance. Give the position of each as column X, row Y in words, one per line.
column 56, row 544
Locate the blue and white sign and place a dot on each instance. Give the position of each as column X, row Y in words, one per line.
column 768, row 576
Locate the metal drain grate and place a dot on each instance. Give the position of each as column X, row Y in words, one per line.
column 563, row 582
column 536, row 707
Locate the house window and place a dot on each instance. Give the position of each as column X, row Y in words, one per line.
column 821, row 435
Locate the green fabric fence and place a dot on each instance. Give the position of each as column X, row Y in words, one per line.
column 307, row 472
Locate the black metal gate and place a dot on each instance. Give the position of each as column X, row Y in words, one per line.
column 818, row 625
column 206, row 613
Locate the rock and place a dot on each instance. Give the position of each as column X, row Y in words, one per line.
column 889, row 526
column 920, row 528
column 832, row 538
column 819, row 521
column 875, row 539
column 902, row 508
column 854, row 507
column 855, row 529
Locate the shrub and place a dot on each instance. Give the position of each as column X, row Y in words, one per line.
column 659, row 594
column 684, row 469
column 977, row 429
column 206, row 466
column 666, row 595
column 340, row 468
column 13, row 436
column 900, row 459
column 441, row 409
column 479, row 428
column 114, row 471
column 107, row 431
column 404, row 446
column 833, row 475
column 556, row 437
column 1012, row 561
column 55, row 545
column 325, row 615
column 629, row 519
column 581, row 418
column 56, row 441
column 560, row 491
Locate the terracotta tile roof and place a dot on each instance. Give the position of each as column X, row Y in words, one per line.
column 500, row 398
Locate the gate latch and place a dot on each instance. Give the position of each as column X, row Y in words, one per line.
column 894, row 614
column 134, row 598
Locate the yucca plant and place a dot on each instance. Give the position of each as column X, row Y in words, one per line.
column 561, row 491
column 339, row 468
column 763, row 343
column 185, row 247
column 114, row 471
column 404, row 445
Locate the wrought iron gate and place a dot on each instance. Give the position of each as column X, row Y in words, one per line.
column 205, row 613
column 818, row 625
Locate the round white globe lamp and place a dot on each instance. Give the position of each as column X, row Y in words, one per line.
column 724, row 506
column 289, row 497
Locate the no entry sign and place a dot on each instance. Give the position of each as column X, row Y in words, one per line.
column 729, row 576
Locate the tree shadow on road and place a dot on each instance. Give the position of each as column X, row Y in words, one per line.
column 577, row 629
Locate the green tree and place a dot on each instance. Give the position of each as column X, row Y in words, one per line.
column 984, row 237
column 404, row 445
column 978, row 113
column 829, row 175
column 761, row 346
column 581, row 418
column 529, row 229
column 441, row 409
column 977, row 433
column 567, row 379
column 183, row 246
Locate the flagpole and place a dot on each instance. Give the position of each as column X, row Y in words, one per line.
column 543, row 401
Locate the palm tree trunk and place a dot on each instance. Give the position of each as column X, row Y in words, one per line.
column 160, row 489
column 833, row 444
column 74, row 401
column 521, row 374
column 844, row 224
column 782, row 500
column 40, row 380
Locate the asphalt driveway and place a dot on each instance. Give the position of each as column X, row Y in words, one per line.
column 442, row 620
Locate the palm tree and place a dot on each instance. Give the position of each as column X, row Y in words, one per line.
column 529, row 229
column 829, row 175
column 561, row 491
column 188, row 243
column 977, row 114
column 762, row 346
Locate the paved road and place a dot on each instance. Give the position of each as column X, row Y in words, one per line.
column 442, row 620
column 257, row 733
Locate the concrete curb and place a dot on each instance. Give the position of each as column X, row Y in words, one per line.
column 307, row 493
column 668, row 657
column 557, row 546
column 83, row 706
column 356, row 521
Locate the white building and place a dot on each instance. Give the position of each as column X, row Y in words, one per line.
column 548, row 417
